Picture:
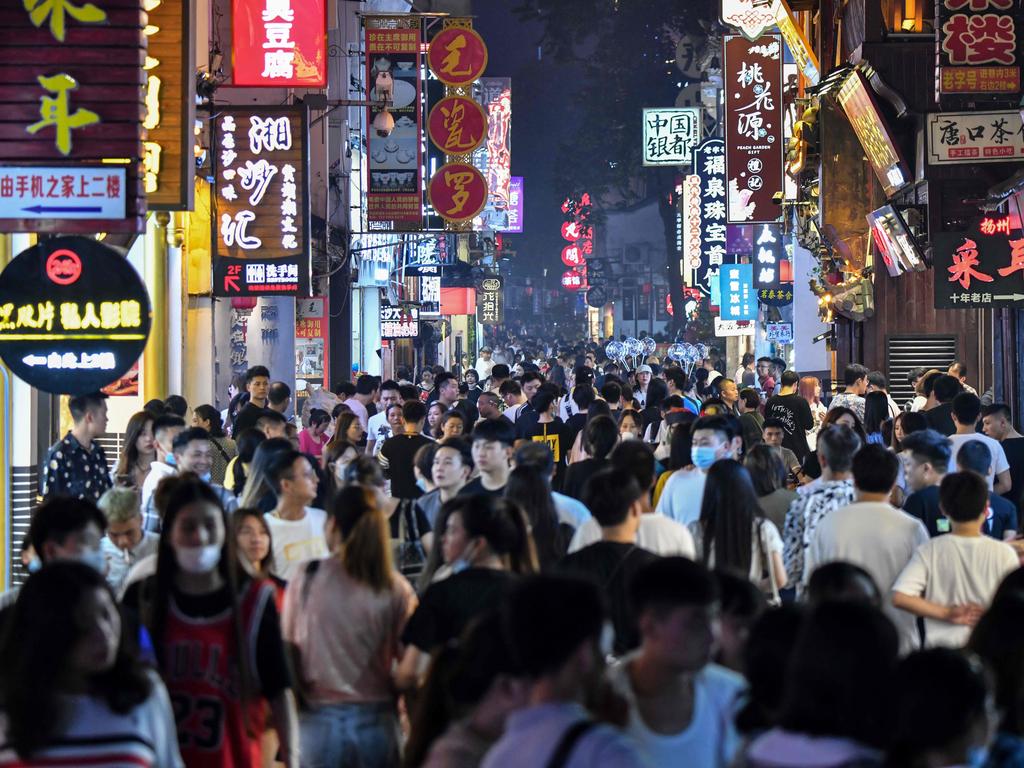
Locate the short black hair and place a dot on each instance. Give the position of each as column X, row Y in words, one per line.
column 774, row 424
column 723, row 425
column 583, row 395
column 390, row 384
column 678, row 378
column 547, row 618
column 963, row 496
column 495, row 430
column 877, row 379
column 931, row 447
column 536, row 456
column 672, row 582
column 838, row 445
column 611, row 391
column 542, row 400
column 460, row 444
column 998, row 409
column 256, row 370
column 750, row 397
column 413, row 411
column 510, row 387
column 842, row 581
column 928, row 382
column 59, row 517
column 167, row 421
column 974, row 456
column 914, row 374
column 637, row 458
column 967, row 408
column 609, row 494
column 853, row 373
column 186, row 436
column 79, row 405
column 960, row 366
column 279, row 393
column 946, row 388
column 177, row 405
column 408, row 392
column 269, row 416
column 366, row 385
column 789, row 378
column 500, row 371
column 529, row 376
column 875, row 469
column 345, row 389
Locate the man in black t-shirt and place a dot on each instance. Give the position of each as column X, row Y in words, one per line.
column 398, row 454
column 616, row 501
column 997, row 423
column 794, row 412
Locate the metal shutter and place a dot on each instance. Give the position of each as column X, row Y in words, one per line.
column 904, row 353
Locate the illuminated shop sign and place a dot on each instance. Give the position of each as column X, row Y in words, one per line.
column 975, row 137
column 873, row 132
column 490, row 302
column 896, row 245
column 279, row 43
column 981, row 267
column 670, row 135
column 977, row 46
column 74, row 315
column 399, row 322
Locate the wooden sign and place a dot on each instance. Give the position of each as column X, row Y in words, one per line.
column 72, row 85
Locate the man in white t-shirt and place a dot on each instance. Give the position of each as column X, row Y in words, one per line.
column 966, row 412
column 296, row 529
column 378, row 430
column 714, row 438
column 951, row 579
column 872, row 533
column 681, row 706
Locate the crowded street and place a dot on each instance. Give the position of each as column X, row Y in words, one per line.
column 335, row 434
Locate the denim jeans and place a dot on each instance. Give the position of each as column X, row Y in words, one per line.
column 350, row 736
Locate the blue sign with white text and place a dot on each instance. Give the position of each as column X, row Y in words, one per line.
column 739, row 299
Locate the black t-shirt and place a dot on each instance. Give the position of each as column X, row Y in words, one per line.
column 412, row 512
column 397, row 456
column 247, row 418
column 795, row 415
column 447, row 607
column 924, row 505
column 551, row 434
column 611, row 565
column 940, row 418
column 1014, row 450
column 577, row 475
column 575, row 424
column 475, row 487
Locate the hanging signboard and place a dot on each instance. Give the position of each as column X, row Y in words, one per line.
column 733, row 328
column 688, row 228
column 393, row 75
column 739, row 299
column 74, row 315
column 709, row 166
column 260, row 215
column 458, row 192
column 169, row 166
column 490, row 301
column 279, row 43
column 975, row 137
column 670, row 135
column 312, row 326
column 977, row 47
column 873, row 132
column 894, row 242
column 769, row 256
column 457, row 56
column 399, row 322
column 73, row 88
column 78, row 192
column 751, row 17
column 981, row 267
column 752, row 72
column 496, row 162
column 516, row 205
column 457, row 125
column 780, row 333
column 573, row 280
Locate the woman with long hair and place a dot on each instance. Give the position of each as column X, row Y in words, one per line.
column 732, row 532
column 72, row 690
column 343, row 448
column 343, row 617
column 238, row 468
column 259, row 490
column 224, row 448
column 809, row 389
column 255, row 546
column 680, row 436
column 600, row 435
column 216, row 636
column 876, row 413
column 579, row 447
column 529, row 490
column 139, row 451
column 842, row 416
column 432, row 427
column 630, row 425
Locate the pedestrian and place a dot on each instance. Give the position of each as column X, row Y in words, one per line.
column 751, row 420
column 257, row 386
column 809, row 389
column 139, row 452
column 1001, row 519
column 855, row 378
column 489, row 405
column 774, row 437
column 630, row 425
column 940, row 416
column 492, row 444
column 296, row 528
column 313, row 438
column 958, row 370
column 571, row 512
column 600, row 436
column 951, row 579
column 841, row 581
column 72, row 691
column 238, row 468
column 681, row 705
column 965, row 414
column 927, row 457
column 452, row 424
column 255, row 547
column 473, row 389
column 768, row 474
column 378, row 430
column 125, row 542
column 76, row 465
column 876, row 414
column 766, row 660
column 224, row 448
column 529, row 490
column 398, row 453
column 434, row 413
column 998, row 424
column 343, row 616
column 343, row 447
column 450, row 468
column 165, row 429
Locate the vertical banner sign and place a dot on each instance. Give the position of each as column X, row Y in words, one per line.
column 393, row 75
column 769, row 255
column 739, row 299
column 690, row 215
column 168, row 161
column 495, row 160
column 516, row 205
column 260, row 213
column 670, row 135
column 709, row 166
column 752, row 73
column 490, row 301
column 73, row 90
column 978, row 48
column 311, row 339
column 279, row 43
column 981, row 267
column 578, row 231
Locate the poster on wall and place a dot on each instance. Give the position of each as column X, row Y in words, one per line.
column 260, row 215
column 311, row 339
column 393, row 75
column 752, row 72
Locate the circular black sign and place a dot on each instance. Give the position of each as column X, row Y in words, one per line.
column 74, row 315
column 597, row 296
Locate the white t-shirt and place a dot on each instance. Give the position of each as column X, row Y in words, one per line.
column 955, row 570
column 709, row 741
column 880, row 539
column 378, row 429
column 657, row 534
column 999, row 461
column 359, row 410
column 682, row 495
column 764, row 536
column 296, row 541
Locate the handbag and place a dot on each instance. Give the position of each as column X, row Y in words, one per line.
column 774, row 600
column 407, row 549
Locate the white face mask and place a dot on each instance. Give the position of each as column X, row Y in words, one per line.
column 94, row 558
column 198, row 559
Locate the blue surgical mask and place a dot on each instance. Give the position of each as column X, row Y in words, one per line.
column 34, row 565
column 977, row 756
column 206, row 477
column 94, row 558
column 421, row 483
column 169, row 458
column 703, row 456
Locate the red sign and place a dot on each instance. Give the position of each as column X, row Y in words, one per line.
column 572, row 256
column 457, row 125
column 977, row 44
column 279, row 43
column 457, row 56
column 458, row 192
column 980, row 267
column 63, row 266
column 573, row 280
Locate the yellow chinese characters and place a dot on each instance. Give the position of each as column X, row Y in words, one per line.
column 55, row 111
column 450, row 63
column 73, row 316
column 57, row 12
column 458, row 181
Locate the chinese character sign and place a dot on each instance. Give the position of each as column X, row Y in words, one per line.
column 975, row 137
column 457, row 125
column 753, row 127
column 578, row 231
column 260, row 213
column 709, row 168
column 670, row 135
column 769, row 262
column 516, row 205
column 873, row 133
column 399, row 322
column 279, row 43
column 490, row 301
column 894, row 242
column 312, row 324
column 978, row 46
column 395, row 192
column 980, row 267
column 457, row 56
column 458, row 192
column 74, row 315
column 739, row 298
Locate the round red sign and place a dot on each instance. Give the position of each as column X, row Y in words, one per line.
column 458, row 192
column 572, row 256
column 572, row 280
column 457, row 55
column 457, row 125
column 63, row 266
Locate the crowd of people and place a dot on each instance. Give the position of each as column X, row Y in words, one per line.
column 548, row 558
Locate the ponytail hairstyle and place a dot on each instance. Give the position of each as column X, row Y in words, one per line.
column 503, row 526
column 365, row 537
column 365, row 471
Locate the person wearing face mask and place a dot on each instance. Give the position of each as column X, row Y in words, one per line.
column 630, row 425
column 216, row 635
column 72, row 691
column 296, row 528
column 713, row 438
column 126, row 542
column 165, row 429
